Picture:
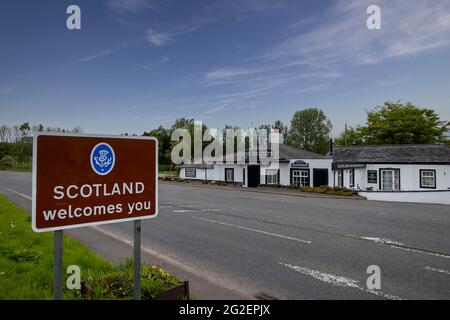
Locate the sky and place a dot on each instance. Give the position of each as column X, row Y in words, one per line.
column 138, row 64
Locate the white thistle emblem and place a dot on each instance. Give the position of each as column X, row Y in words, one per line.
column 103, row 160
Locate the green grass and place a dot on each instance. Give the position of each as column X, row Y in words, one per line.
column 18, row 169
column 171, row 173
column 26, row 265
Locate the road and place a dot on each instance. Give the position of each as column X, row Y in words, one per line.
column 291, row 247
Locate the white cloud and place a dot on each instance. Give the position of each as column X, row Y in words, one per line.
column 159, row 39
column 309, row 89
column 408, row 27
column 132, row 6
column 93, row 57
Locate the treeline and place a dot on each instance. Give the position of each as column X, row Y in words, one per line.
column 310, row 129
column 16, row 148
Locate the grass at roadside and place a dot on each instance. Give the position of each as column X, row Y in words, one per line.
column 26, row 265
column 18, row 169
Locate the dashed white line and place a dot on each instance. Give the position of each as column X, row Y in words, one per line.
column 438, row 270
column 401, row 246
column 338, row 281
column 254, row 230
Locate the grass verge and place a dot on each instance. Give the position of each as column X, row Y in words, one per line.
column 26, row 265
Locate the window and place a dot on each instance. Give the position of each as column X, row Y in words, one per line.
column 390, row 179
column 300, row 178
column 340, row 175
column 428, row 179
column 272, row 176
column 351, row 177
column 229, row 174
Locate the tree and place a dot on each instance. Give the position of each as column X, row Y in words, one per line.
column 310, row 130
column 164, row 144
column 397, row 123
column 7, row 162
column 350, row 137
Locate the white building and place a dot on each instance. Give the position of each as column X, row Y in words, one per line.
column 294, row 167
column 411, row 173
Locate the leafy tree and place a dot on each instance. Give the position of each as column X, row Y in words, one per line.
column 164, row 144
column 350, row 137
column 7, row 162
column 310, row 130
column 397, row 123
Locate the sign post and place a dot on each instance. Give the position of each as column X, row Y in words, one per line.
column 57, row 264
column 137, row 260
column 85, row 180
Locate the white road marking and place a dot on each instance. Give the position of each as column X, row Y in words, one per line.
column 401, row 246
column 383, row 241
column 18, row 193
column 183, row 211
column 338, row 281
column 210, row 276
column 253, row 230
column 438, row 270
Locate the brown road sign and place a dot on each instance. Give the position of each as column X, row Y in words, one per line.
column 81, row 180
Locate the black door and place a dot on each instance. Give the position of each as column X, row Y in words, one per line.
column 253, row 176
column 320, row 177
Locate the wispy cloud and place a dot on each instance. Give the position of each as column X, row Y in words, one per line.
column 94, row 56
column 153, row 64
column 408, row 27
column 319, row 87
column 161, row 39
column 130, row 6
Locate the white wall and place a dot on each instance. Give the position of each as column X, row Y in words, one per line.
column 439, row 197
column 409, row 176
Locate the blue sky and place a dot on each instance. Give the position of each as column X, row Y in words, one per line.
column 136, row 64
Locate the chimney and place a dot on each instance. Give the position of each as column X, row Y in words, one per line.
column 276, row 136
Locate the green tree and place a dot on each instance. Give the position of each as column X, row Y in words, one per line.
column 164, row 144
column 397, row 123
column 7, row 162
column 350, row 137
column 310, row 130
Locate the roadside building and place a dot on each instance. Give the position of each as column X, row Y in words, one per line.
column 293, row 167
column 410, row 172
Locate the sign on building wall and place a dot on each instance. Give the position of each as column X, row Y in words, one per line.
column 81, row 180
column 372, row 176
column 299, row 164
column 190, row 173
column 338, row 166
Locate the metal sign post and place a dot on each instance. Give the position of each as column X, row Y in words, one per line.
column 137, row 260
column 57, row 265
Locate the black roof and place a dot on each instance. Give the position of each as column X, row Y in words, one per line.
column 396, row 153
column 288, row 152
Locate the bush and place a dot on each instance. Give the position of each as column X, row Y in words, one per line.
column 165, row 167
column 117, row 282
column 338, row 191
column 7, row 162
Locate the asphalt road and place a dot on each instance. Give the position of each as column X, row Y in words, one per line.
column 289, row 247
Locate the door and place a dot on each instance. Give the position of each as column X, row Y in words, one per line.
column 320, row 177
column 254, row 176
column 387, row 180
